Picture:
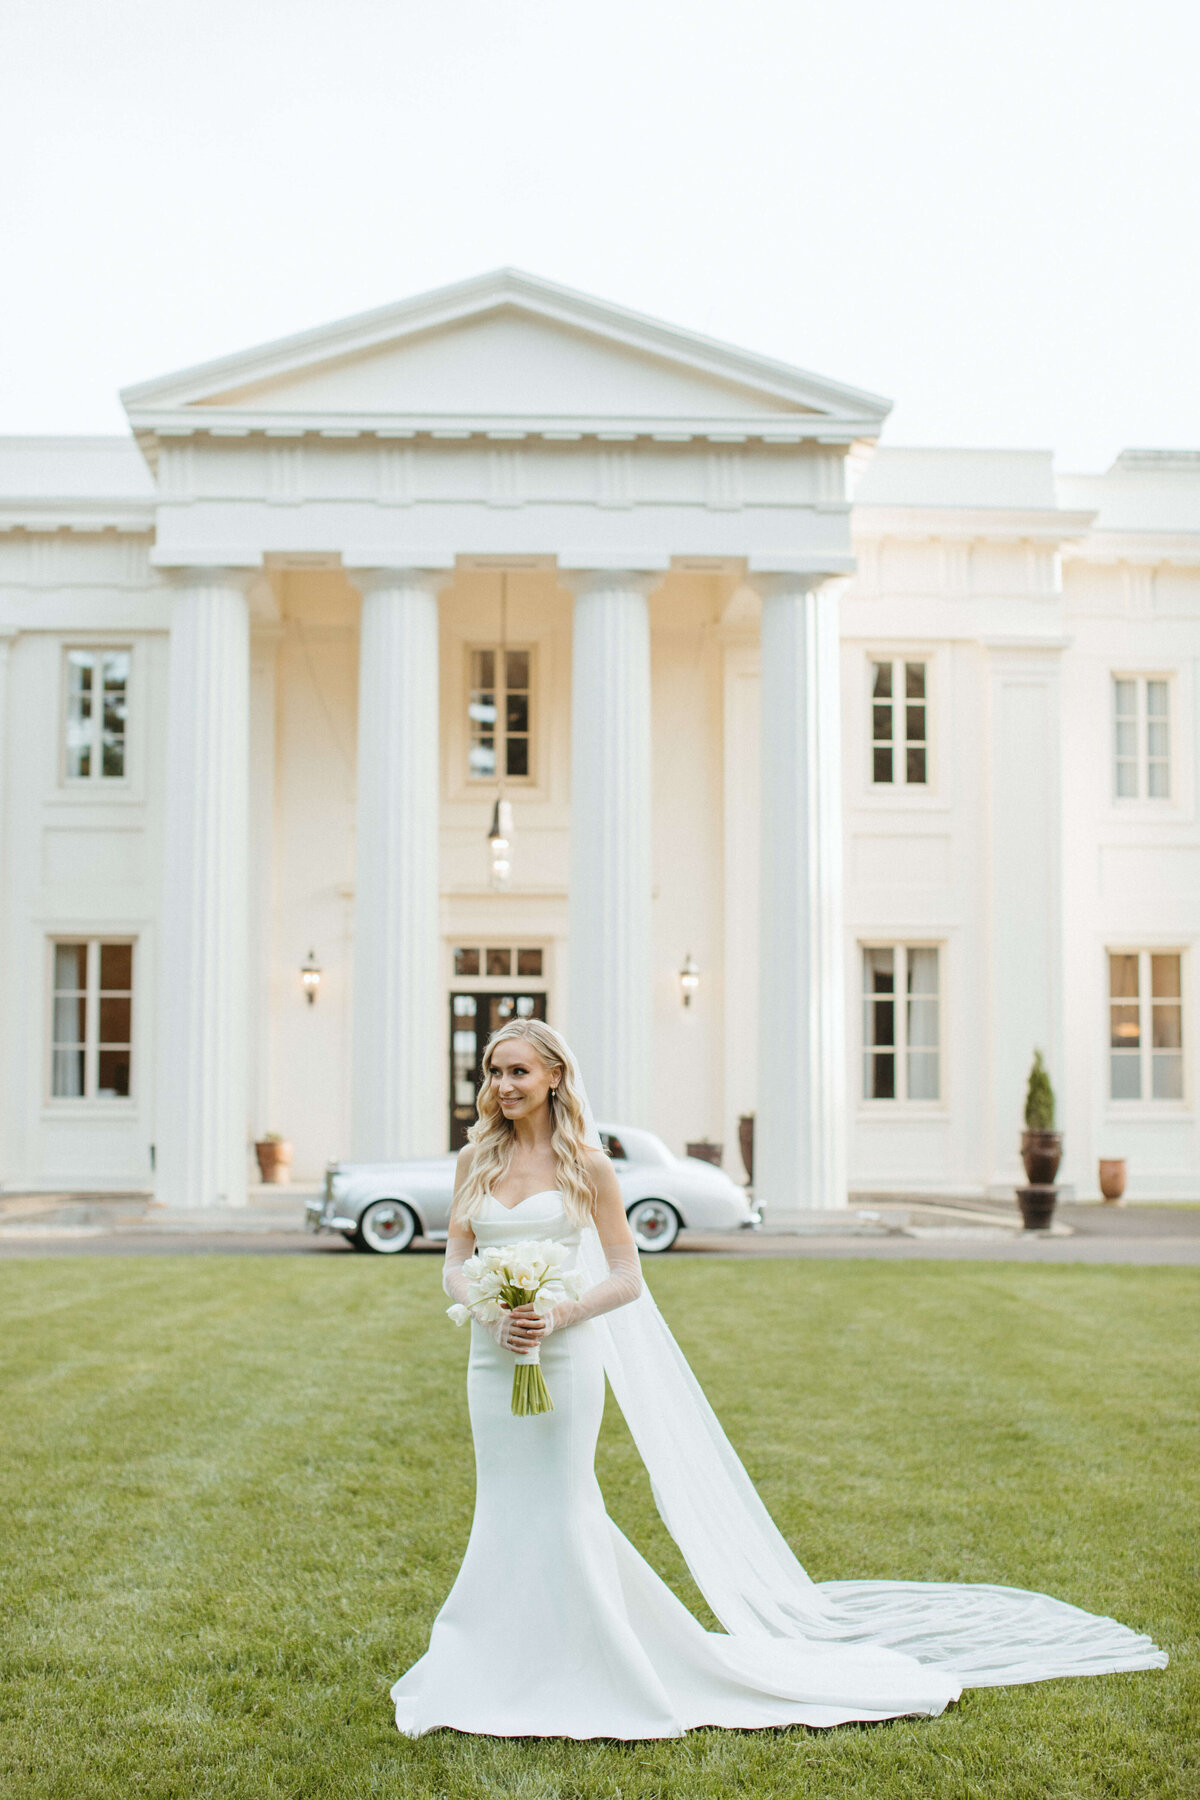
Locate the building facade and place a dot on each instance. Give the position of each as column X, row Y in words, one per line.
column 841, row 777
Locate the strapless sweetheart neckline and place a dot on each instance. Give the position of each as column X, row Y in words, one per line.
column 517, row 1203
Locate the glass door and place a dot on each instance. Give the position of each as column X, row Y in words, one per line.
column 473, row 1018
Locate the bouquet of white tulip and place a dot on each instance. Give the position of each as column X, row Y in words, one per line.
column 510, row 1275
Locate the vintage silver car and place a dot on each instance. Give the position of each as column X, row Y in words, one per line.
column 385, row 1206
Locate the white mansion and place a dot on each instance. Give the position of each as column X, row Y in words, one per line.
column 840, row 778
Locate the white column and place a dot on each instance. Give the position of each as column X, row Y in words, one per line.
column 1023, row 859
column 200, row 1124
column 7, row 874
column 800, row 1127
column 610, row 1001
column 398, row 1033
column 265, row 639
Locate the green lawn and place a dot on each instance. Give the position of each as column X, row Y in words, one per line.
column 235, row 1490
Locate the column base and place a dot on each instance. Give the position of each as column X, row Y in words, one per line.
column 811, row 1221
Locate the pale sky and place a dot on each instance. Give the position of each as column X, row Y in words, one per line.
column 986, row 209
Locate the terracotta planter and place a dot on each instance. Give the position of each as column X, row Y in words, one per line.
column 274, row 1160
column 746, row 1143
column 1041, row 1152
column 1112, row 1179
column 1037, row 1205
column 709, row 1153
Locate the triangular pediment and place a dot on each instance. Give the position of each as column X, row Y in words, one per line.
column 505, row 346
column 506, row 363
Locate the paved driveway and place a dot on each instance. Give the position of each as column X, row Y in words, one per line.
column 893, row 1231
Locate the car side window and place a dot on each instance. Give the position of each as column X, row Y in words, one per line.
column 614, row 1146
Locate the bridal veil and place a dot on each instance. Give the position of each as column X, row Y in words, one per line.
column 985, row 1635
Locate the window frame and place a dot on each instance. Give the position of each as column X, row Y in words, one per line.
column 1141, row 679
column 900, row 1101
column 95, row 781
column 90, row 1099
column 474, row 783
column 497, row 983
column 1144, row 1103
column 898, row 659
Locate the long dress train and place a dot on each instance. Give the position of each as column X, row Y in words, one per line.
column 557, row 1627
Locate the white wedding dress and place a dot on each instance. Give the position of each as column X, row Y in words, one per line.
column 557, row 1627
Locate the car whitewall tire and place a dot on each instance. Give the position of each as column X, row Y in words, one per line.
column 386, row 1226
column 655, row 1225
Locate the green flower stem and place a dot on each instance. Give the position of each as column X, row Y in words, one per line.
column 530, row 1394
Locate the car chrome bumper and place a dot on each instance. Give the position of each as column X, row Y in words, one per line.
column 319, row 1215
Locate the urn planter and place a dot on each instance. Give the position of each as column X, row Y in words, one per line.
column 274, row 1160
column 1041, row 1153
column 709, row 1153
column 1112, row 1179
column 1037, row 1203
column 746, row 1144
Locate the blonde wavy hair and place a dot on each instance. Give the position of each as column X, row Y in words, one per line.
column 493, row 1136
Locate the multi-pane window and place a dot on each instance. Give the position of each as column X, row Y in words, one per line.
column 498, row 715
column 1141, row 737
column 899, row 723
column 91, row 1020
column 96, row 714
column 493, row 960
column 1145, row 1003
column 900, row 1002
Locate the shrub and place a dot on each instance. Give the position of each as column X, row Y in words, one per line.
column 1039, row 1097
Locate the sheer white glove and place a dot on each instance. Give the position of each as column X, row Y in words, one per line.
column 623, row 1285
column 454, row 1283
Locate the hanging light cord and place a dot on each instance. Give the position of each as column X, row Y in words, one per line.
column 502, row 685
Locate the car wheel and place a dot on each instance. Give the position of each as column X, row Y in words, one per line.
column 655, row 1225
column 386, row 1227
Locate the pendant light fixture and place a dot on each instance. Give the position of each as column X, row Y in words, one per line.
column 500, row 835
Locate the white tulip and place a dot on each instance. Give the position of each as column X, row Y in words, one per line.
column 459, row 1315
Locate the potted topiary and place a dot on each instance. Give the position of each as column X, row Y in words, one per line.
column 1041, row 1145
column 1041, row 1150
column 274, row 1155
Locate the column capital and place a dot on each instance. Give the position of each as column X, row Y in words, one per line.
column 768, row 584
column 212, row 575
column 611, row 581
column 374, row 579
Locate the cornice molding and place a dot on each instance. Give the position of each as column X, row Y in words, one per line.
column 1000, row 524
column 153, row 428
column 1109, row 547
column 80, row 515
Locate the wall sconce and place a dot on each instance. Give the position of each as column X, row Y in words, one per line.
column 500, row 843
column 689, row 978
column 310, row 976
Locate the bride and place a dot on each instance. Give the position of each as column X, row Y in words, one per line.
column 602, row 1647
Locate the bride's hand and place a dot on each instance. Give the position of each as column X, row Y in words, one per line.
column 523, row 1329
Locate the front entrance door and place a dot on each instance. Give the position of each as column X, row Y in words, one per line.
column 473, row 1018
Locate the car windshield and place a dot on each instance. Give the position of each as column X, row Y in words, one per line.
column 624, row 1144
